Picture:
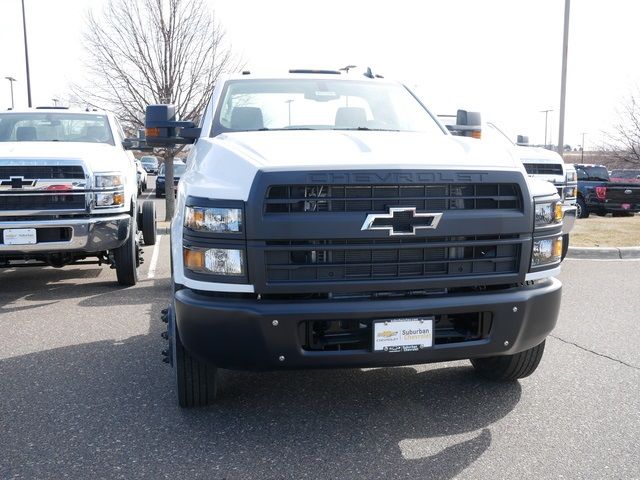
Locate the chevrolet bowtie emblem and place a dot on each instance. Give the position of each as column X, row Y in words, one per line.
column 401, row 221
column 17, row 182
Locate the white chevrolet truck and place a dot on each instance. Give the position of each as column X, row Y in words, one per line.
column 68, row 192
column 327, row 220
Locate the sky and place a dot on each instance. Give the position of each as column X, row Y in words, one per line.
column 499, row 57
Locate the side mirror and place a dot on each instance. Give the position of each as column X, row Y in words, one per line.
column 163, row 129
column 523, row 140
column 128, row 144
column 468, row 124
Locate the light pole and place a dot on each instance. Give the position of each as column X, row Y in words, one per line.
column 582, row 149
column 563, row 81
column 289, row 102
column 26, row 55
column 546, row 113
column 55, row 102
column 11, row 80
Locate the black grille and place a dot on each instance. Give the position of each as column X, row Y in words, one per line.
column 542, row 169
column 378, row 198
column 42, row 202
column 42, row 172
column 358, row 260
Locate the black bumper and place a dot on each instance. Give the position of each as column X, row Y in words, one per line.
column 240, row 334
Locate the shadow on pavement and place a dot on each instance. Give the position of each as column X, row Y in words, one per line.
column 108, row 409
column 53, row 285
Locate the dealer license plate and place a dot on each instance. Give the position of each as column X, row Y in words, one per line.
column 19, row 236
column 403, row 334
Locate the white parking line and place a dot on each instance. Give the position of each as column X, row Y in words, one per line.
column 154, row 258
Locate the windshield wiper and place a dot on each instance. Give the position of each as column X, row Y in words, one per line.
column 368, row 129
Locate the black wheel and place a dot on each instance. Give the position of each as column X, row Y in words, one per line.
column 144, row 187
column 126, row 258
column 149, row 222
column 509, row 367
column 583, row 211
column 196, row 381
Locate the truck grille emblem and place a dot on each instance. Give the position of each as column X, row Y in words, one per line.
column 401, row 221
column 628, row 192
column 17, row 182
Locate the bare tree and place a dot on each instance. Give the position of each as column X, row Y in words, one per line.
column 143, row 52
column 623, row 143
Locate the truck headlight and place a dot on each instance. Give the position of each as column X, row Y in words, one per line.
column 546, row 251
column 548, row 213
column 572, row 176
column 214, row 219
column 108, row 181
column 216, row 261
column 109, row 199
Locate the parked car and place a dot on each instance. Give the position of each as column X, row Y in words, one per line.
column 625, row 176
column 598, row 194
column 141, row 176
column 179, row 168
column 356, row 232
column 68, row 192
column 150, row 164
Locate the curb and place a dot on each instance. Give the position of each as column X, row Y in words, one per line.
column 605, row 253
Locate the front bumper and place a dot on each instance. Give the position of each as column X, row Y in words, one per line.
column 96, row 234
column 240, row 333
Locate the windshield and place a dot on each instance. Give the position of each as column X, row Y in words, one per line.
column 55, row 127
column 178, row 169
column 625, row 173
column 592, row 173
column 149, row 160
column 311, row 104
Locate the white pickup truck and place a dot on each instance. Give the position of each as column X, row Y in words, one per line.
column 68, row 192
column 330, row 220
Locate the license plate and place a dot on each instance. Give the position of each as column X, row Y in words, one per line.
column 403, row 334
column 19, row 236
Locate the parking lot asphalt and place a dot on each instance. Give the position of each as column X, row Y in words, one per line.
column 84, row 394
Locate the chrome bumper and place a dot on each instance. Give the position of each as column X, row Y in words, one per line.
column 569, row 213
column 87, row 234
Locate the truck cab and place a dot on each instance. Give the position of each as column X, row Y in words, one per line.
column 69, row 192
column 328, row 220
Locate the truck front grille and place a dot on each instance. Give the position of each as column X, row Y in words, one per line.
column 68, row 201
column 378, row 198
column 380, row 259
column 44, row 172
column 543, row 169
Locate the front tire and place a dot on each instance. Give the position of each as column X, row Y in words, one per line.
column 583, row 211
column 126, row 258
column 196, row 381
column 507, row 368
column 149, row 222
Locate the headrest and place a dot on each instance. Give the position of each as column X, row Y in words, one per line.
column 246, row 118
column 25, row 134
column 351, row 117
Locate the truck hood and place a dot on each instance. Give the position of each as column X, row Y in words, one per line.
column 538, row 155
column 96, row 156
column 359, row 149
column 227, row 164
